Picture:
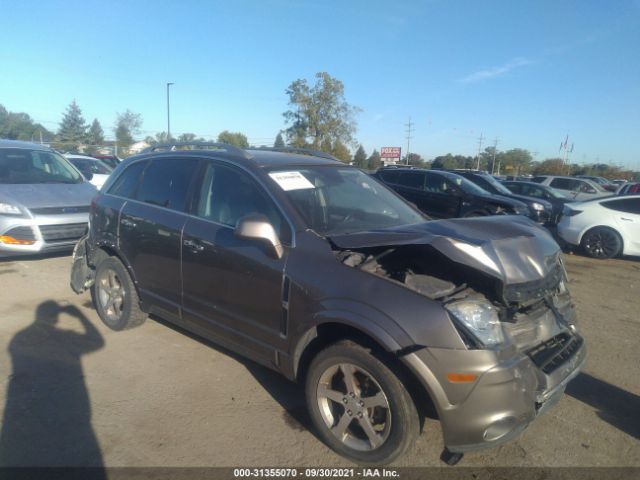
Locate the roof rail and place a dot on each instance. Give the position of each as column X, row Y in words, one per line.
column 304, row 151
column 219, row 146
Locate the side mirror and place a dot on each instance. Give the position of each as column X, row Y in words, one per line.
column 88, row 176
column 258, row 227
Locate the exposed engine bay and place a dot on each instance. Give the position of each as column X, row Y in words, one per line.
column 531, row 312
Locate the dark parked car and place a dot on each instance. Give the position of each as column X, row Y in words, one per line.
column 543, row 192
column 540, row 209
column 318, row 271
column 110, row 160
column 443, row 194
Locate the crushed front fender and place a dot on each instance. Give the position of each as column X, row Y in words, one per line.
column 82, row 275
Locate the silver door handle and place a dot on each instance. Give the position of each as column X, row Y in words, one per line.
column 128, row 223
column 195, row 246
column 626, row 219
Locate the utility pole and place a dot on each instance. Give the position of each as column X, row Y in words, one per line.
column 479, row 149
column 168, row 114
column 493, row 161
column 409, row 137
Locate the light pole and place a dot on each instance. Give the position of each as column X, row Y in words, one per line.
column 168, row 115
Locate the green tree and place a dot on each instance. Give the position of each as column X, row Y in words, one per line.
column 20, row 126
column 127, row 125
column 73, row 128
column 319, row 113
column 190, row 137
column 374, row 161
column 360, row 158
column 415, row 160
column 279, row 143
column 95, row 135
column 515, row 161
column 551, row 166
column 233, row 138
column 341, row 151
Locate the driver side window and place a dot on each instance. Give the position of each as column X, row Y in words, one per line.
column 227, row 195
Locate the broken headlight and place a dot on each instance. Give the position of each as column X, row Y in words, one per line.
column 479, row 318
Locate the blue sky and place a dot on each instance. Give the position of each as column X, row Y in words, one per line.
column 525, row 72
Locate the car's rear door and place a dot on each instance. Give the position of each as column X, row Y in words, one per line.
column 626, row 212
column 150, row 230
column 233, row 289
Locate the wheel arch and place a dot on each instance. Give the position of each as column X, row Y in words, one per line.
column 324, row 334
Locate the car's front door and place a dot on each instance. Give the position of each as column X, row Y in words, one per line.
column 150, row 228
column 627, row 216
column 233, row 288
column 444, row 199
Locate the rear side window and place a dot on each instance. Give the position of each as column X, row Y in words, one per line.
column 564, row 184
column 538, row 179
column 412, row 180
column 390, row 176
column 515, row 188
column 125, row 185
column 166, row 182
column 436, row 184
column 627, row 205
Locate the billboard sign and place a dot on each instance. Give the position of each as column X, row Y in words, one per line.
column 390, row 152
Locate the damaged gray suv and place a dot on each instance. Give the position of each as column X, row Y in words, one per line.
column 320, row 272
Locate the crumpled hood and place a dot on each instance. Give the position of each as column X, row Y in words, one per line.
column 510, row 248
column 49, row 194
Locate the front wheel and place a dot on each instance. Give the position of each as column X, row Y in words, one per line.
column 602, row 242
column 359, row 406
column 115, row 296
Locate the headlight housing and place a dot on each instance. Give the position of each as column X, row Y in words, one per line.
column 8, row 209
column 537, row 206
column 480, row 318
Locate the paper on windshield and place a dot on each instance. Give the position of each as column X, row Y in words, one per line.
column 291, row 180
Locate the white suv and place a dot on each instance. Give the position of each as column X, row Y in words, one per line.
column 575, row 188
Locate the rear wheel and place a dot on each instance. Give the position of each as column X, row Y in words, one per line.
column 602, row 242
column 359, row 406
column 115, row 296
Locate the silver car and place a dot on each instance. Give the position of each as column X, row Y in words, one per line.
column 44, row 200
column 577, row 189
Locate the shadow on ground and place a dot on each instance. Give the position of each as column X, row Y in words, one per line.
column 47, row 416
column 614, row 405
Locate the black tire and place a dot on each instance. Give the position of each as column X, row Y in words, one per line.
column 123, row 314
column 401, row 423
column 602, row 242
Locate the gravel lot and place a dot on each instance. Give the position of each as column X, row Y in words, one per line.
column 76, row 393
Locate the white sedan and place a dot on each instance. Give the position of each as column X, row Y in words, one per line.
column 604, row 228
column 94, row 170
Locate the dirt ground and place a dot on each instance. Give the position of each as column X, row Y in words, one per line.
column 75, row 393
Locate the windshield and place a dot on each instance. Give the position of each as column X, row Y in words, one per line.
column 497, row 185
column 335, row 201
column 86, row 165
column 23, row 166
column 467, row 186
column 556, row 193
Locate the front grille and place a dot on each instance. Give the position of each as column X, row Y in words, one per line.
column 61, row 233
column 22, row 233
column 554, row 352
column 59, row 210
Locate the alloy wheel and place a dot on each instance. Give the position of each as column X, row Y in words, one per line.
column 354, row 407
column 602, row 244
column 111, row 294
